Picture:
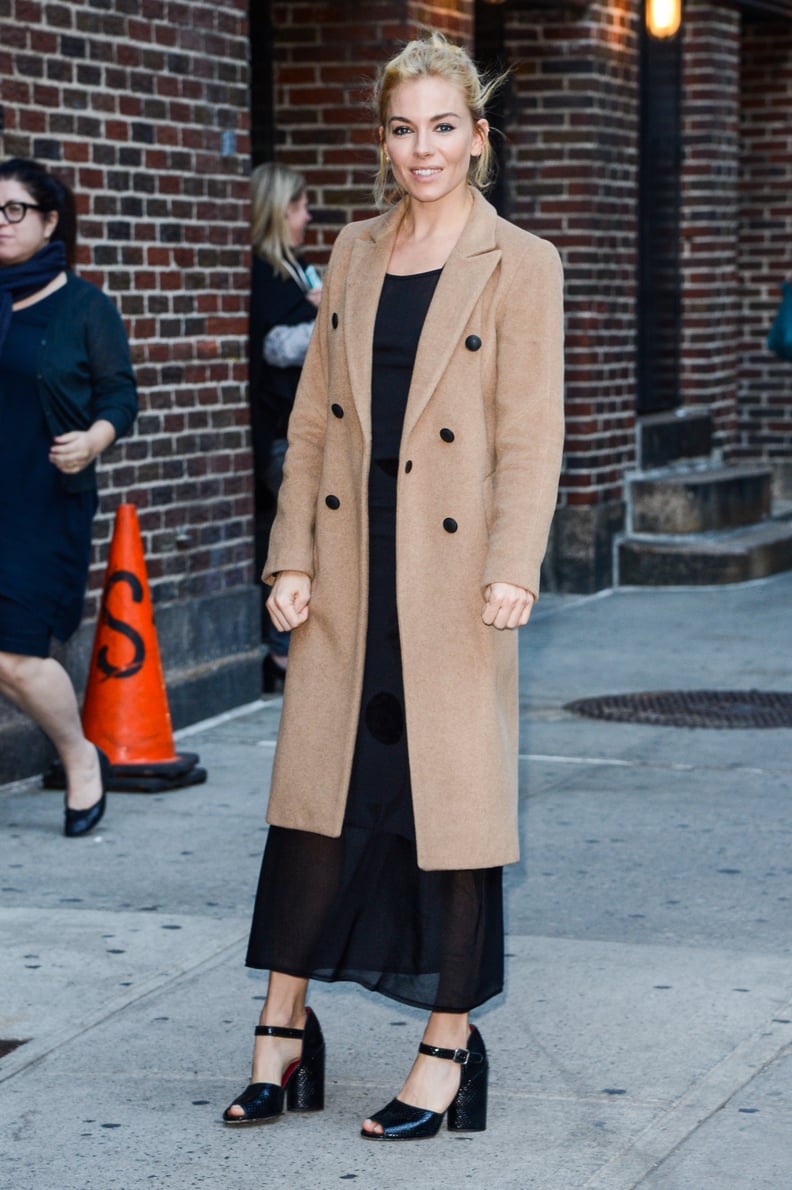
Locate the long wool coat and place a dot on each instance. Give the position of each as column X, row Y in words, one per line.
column 478, row 473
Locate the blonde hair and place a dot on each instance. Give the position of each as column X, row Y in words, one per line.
column 436, row 56
column 272, row 188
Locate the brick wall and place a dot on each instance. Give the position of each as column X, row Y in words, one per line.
column 765, row 383
column 142, row 105
column 572, row 158
column 709, row 217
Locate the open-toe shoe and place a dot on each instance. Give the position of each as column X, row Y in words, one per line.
column 467, row 1111
column 300, row 1089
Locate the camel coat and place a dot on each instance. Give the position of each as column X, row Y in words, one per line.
column 478, row 473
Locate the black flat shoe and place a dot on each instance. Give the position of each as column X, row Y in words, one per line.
column 302, row 1086
column 273, row 676
column 467, row 1111
column 80, row 822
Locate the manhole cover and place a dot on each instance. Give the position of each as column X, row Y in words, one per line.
column 691, row 708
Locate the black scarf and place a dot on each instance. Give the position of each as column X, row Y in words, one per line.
column 18, row 281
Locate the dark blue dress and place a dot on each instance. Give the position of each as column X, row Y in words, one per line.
column 45, row 531
column 358, row 907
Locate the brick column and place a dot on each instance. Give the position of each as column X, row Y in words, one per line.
column 572, row 176
column 708, row 265
column 765, row 383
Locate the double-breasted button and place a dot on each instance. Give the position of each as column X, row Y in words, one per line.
column 337, row 411
column 334, row 320
column 332, row 502
column 450, row 525
column 408, row 466
column 447, row 435
column 472, row 342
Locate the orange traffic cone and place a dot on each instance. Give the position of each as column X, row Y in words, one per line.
column 126, row 711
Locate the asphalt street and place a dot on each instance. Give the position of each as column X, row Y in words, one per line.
column 645, row 1034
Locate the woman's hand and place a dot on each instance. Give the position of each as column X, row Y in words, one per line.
column 507, row 606
column 314, row 296
column 72, row 452
column 288, row 600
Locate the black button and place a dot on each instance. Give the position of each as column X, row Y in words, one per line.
column 447, row 435
column 332, row 502
column 472, row 342
column 408, row 466
column 337, row 410
column 450, row 525
column 334, row 320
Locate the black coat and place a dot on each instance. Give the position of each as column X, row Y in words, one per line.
column 273, row 302
column 83, row 369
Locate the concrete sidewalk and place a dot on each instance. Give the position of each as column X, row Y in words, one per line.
column 645, row 1036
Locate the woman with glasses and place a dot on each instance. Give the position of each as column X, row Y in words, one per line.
column 67, row 391
column 284, row 298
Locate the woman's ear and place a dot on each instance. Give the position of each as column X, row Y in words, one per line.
column 480, row 137
column 50, row 223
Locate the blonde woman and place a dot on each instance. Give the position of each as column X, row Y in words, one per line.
column 419, row 486
column 285, row 293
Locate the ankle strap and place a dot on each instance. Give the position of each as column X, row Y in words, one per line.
column 277, row 1031
column 462, row 1057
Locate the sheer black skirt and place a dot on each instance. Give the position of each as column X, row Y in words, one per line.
column 359, row 907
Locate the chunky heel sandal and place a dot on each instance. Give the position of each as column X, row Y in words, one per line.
column 467, row 1111
column 300, row 1089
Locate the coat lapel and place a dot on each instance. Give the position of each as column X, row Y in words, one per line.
column 368, row 264
column 464, row 276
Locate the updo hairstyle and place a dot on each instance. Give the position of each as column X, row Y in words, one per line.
column 436, row 57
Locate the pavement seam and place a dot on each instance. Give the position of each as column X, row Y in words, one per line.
column 26, row 1056
column 229, row 716
column 700, row 1103
column 674, row 766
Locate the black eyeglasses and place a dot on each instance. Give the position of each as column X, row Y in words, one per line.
column 14, row 212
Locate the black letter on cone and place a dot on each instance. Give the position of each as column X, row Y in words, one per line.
column 136, row 664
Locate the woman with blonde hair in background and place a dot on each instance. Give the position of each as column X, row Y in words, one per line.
column 419, row 486
column 284, row 298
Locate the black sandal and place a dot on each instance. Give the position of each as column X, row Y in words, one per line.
column 302, row 1086
column 467, row 1111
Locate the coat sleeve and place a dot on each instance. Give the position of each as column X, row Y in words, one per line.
column 285, row 346
column 291, row 543
column 113, row 389
column 529, row 418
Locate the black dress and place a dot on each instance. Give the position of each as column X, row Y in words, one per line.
column 45, row 531
column 359, row 907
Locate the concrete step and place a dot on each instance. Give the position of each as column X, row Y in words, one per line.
column 698, row 499
column 705, row 559
column 684, row 433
